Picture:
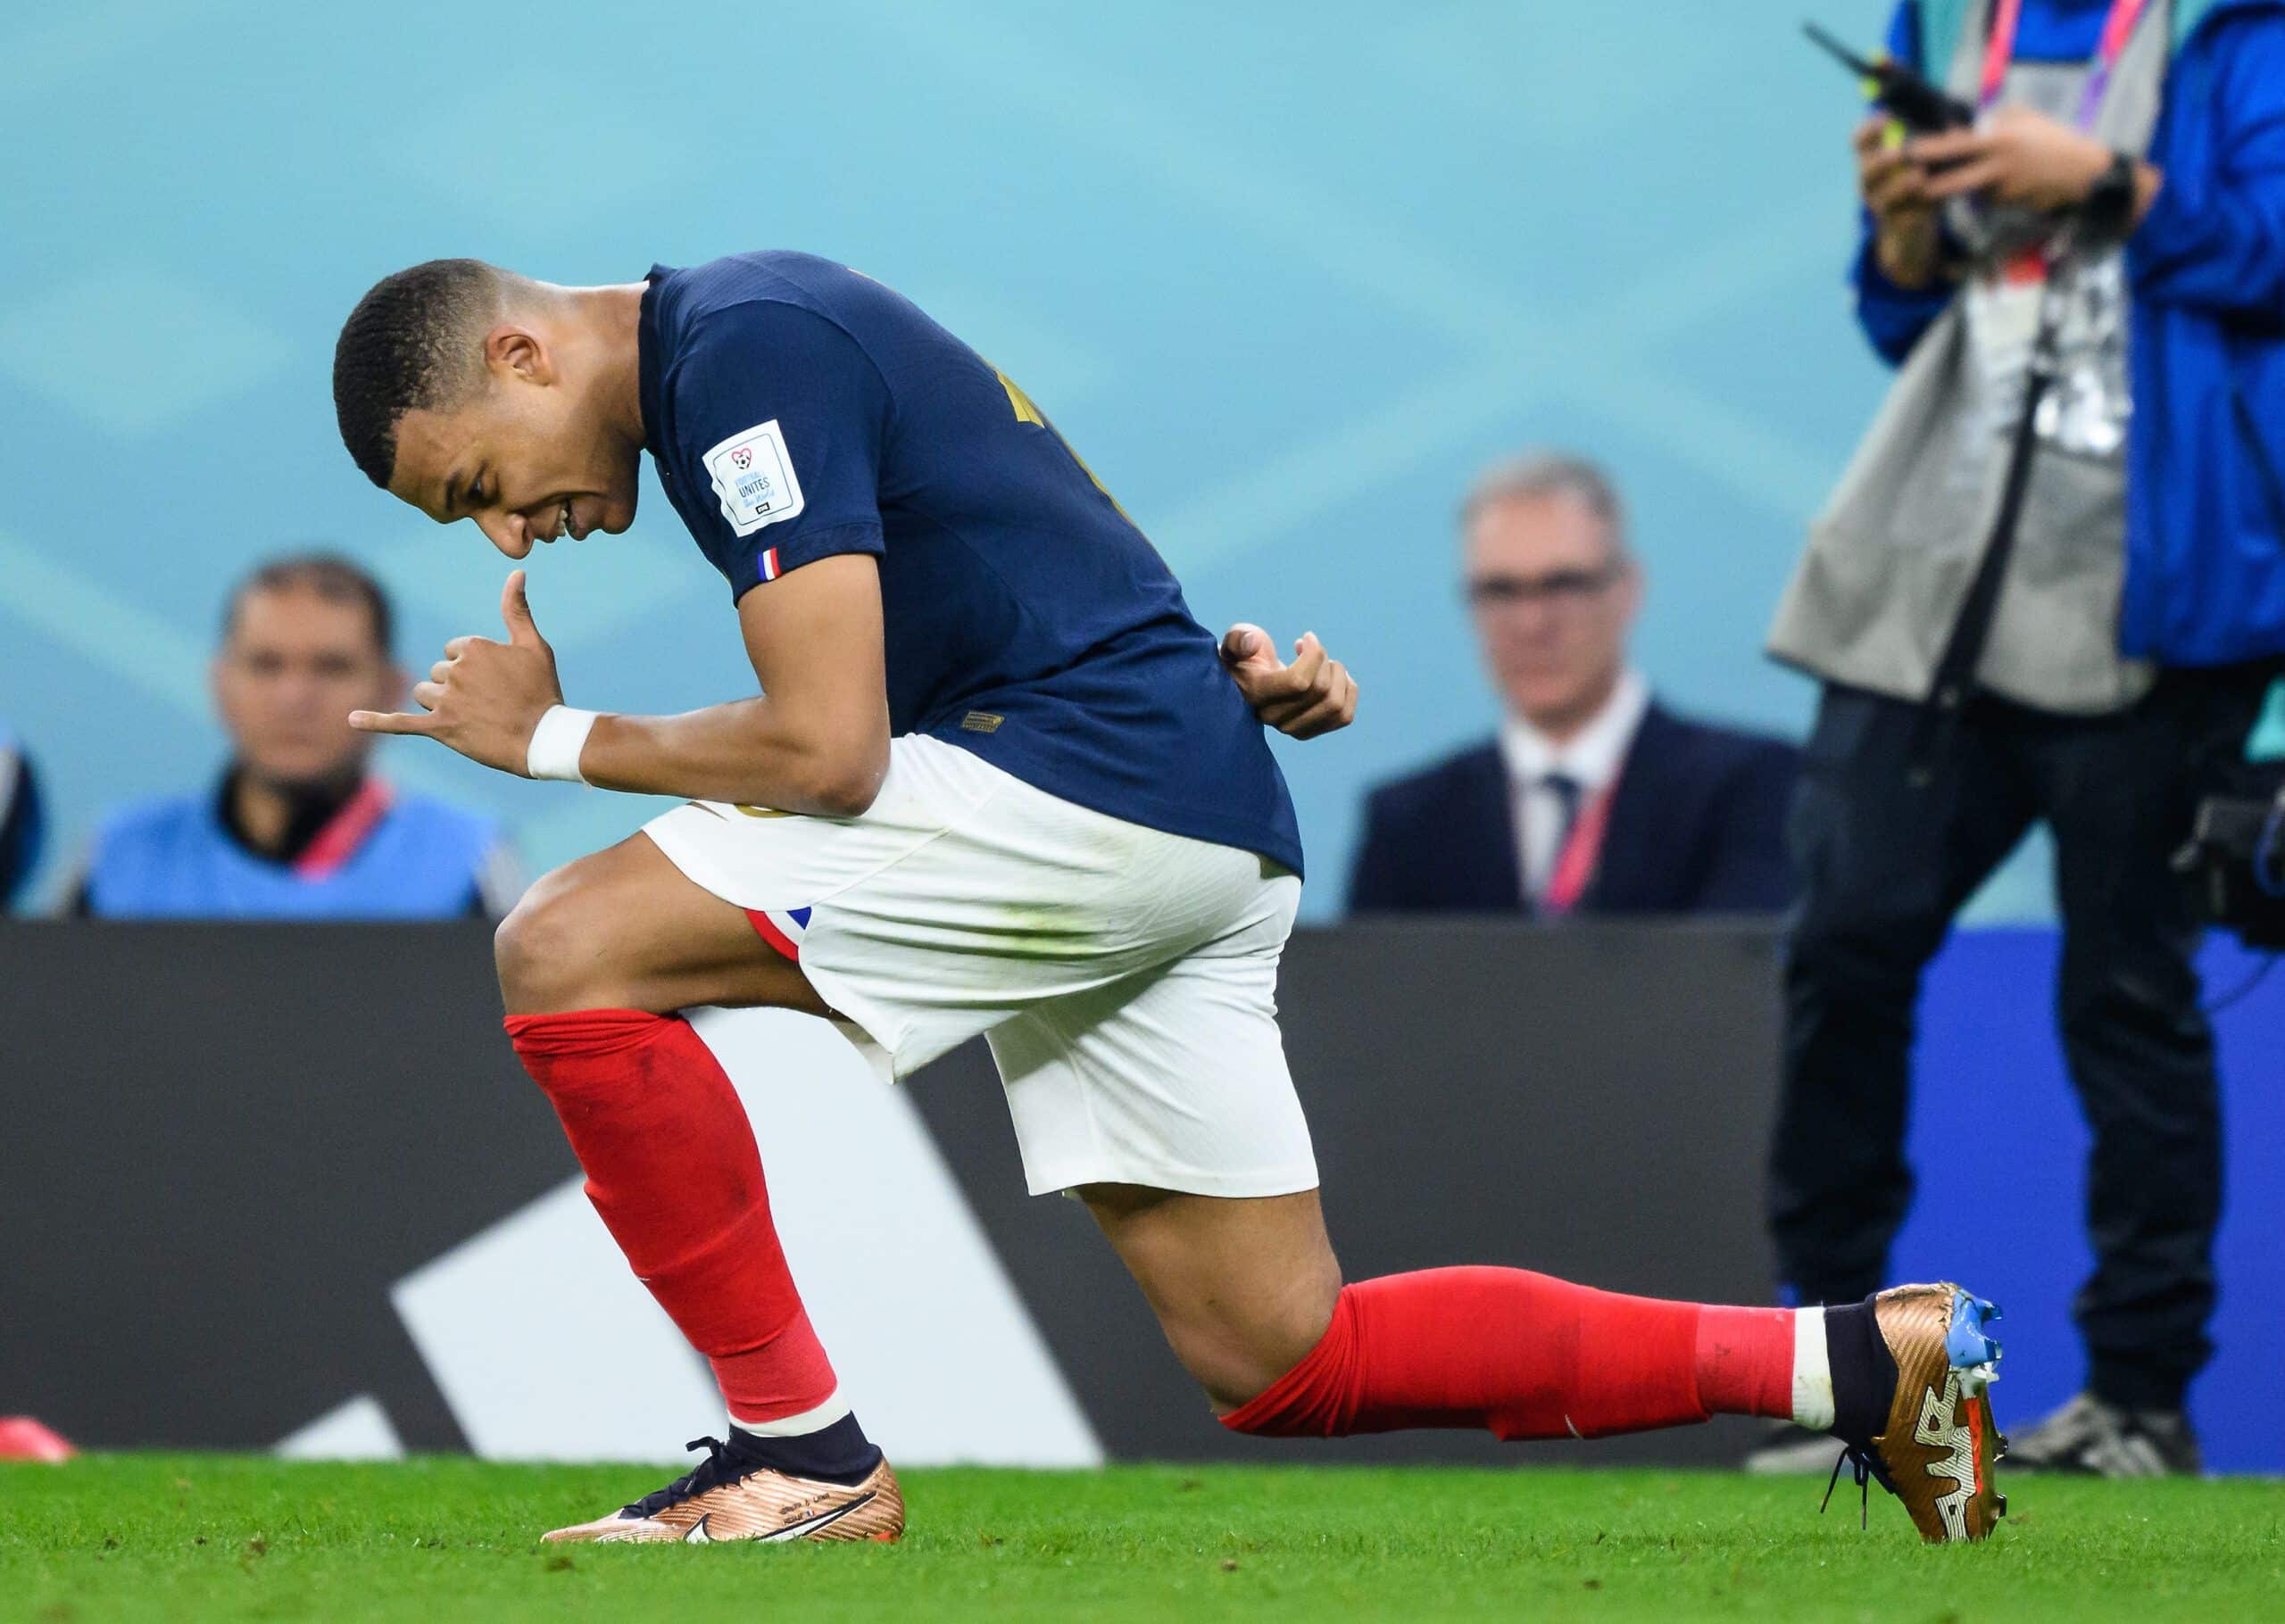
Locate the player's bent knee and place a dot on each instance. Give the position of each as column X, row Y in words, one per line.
column 1244, row 1290
column 1274, row 1349
column 1237, row 1350
column 550, row 949
column 519, row 953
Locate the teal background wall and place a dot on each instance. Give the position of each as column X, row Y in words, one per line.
column 1285, row 274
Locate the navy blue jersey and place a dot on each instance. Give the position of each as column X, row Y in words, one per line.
column 798, row 409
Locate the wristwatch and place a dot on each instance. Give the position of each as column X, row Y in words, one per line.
column 2108, row 214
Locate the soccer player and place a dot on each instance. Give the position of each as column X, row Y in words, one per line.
column 998, row 783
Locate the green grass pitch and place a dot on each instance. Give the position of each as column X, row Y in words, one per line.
column 200, row 1536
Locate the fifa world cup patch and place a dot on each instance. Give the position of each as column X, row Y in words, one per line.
column 753, row 479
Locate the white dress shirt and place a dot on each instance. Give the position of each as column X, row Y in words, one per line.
column 1590, row 759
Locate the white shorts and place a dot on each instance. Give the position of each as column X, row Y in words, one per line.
column 1125, row 977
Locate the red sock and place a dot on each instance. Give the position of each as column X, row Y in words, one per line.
column 673, row 1170
column 1526, row 1356
column 1745, row 1361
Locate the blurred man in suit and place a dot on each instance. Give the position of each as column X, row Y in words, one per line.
column 1593, row 798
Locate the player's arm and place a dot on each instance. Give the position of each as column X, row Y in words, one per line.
column 816, row 741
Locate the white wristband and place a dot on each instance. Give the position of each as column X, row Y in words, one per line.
column 556, row 743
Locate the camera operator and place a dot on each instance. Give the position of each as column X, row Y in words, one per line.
column 2047, row 589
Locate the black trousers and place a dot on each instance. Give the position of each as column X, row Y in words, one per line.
column 1884, row 865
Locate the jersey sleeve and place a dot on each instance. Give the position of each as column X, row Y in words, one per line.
column 779, row 421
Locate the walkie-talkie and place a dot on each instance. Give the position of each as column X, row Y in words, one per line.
column 1921, row 106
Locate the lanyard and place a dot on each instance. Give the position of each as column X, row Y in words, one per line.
column 1999, row 51
column 345, row 832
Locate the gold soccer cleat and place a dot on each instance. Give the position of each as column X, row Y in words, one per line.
column 725, row 1499
column 1940, row 1443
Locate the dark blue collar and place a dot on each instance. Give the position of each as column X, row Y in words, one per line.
column 650, row 364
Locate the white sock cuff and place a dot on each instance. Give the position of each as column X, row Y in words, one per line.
column 793, row 1426
column 1812, row 1371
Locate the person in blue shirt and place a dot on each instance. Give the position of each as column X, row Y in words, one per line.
column 998, row 783
column 298, row 827
column 2050, row 589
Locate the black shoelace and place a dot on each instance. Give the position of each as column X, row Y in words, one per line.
column 720, row 1466
column 1868, row 1469
column 1864, row 1388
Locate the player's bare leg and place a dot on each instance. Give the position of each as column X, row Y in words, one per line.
column 625, row 929
column 1243, row 1289
column 1251, row 1301
column 593, row 965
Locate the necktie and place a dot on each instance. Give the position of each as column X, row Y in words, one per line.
column 1566, row 792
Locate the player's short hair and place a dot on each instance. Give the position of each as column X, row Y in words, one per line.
column 410, row 344
column 331, row 576
column 1549, row 473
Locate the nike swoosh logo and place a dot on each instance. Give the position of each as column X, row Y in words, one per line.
column 698, row 1536
column 795, row 1530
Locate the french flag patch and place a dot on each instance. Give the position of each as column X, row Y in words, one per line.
column 769, row 570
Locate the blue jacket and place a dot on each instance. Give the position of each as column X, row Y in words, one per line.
column 1698, row 826
column 173, row 859
column 2206, row 444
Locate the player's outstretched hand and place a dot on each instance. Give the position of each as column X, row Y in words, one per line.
column 1314, row 695
column 484, row 698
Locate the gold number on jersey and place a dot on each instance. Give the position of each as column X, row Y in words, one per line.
column 1026, row 412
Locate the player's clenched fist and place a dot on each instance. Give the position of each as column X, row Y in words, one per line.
column 484, row 698
column 1314, row 695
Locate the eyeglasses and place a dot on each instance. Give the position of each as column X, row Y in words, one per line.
column 1558, row 589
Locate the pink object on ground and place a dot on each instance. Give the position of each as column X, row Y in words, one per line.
column 22, row 1438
